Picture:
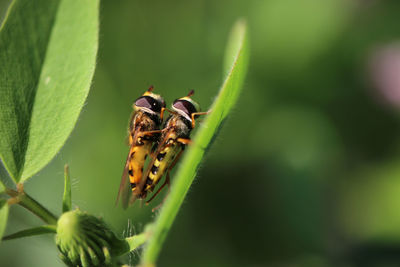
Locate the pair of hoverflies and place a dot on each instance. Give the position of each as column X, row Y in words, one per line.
column 164, row 142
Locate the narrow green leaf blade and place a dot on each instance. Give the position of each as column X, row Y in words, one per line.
column 3, row 215
column 67, row 201
column 237, row 60
column 40, row 230
column 133, row 242
column 48, row 51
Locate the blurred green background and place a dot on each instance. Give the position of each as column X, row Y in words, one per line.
column 306, row 171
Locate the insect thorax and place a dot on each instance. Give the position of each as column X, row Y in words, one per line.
column 145, row 121
column 180, row 125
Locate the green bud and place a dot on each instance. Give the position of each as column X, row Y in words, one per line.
column 85, row 240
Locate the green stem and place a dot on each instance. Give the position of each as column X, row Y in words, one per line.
column 33, row 206
column 237, row 65
column 44, row 229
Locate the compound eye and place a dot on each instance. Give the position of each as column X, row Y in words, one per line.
column 148, row 102
column 184, row 106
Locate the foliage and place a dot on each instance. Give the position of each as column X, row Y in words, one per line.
column 45, row 82
column 48, row 50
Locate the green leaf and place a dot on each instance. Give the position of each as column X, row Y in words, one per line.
column 3, row 215
column 67, row 202
column 40, row 230
column 237, row 61
column 135, row 241
column 47, row 53
column 5, row 179
column 2, row 187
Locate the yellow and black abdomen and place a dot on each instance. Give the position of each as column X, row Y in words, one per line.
column 137, row 158
column 161, row 163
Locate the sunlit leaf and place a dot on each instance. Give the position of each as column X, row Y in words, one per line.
column 47, row 53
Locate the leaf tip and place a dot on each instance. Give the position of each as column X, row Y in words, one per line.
column 67, row 202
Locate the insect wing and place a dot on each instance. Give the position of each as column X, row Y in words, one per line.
column 125, row 191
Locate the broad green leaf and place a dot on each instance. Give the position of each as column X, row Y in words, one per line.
column 48, row 52
column 67, row 202
column 3, row 216
column 40, row 230
column 236, row 61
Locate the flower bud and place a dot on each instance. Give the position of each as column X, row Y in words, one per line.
column 85, row 240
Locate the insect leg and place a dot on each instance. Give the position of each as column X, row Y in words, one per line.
column 146, row 135
column 162, row 113
column 197, row 114
column 170, row 111
column 159, row 190
column 159, row 205
column 167, row 182
column 150, row 133
column 184, row 141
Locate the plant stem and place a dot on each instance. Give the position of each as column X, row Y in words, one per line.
column 237, row 58
column 44, row 229
column 32, row 205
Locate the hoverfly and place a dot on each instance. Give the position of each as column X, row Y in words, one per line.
column 144, row 129
column 175, row 135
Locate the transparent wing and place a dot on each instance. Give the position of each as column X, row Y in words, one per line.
column 125, row 191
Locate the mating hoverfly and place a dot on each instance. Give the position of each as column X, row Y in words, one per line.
column 144, row 129
column 175, row 135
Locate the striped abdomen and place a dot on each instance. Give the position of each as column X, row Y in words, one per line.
column 137, row 158
column 160, row 165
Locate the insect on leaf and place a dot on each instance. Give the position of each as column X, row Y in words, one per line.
column 47, row 53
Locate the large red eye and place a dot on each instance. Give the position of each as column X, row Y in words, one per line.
column 149, row 102
column 185, row 106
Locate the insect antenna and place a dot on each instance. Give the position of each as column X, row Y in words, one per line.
column 191, row 93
